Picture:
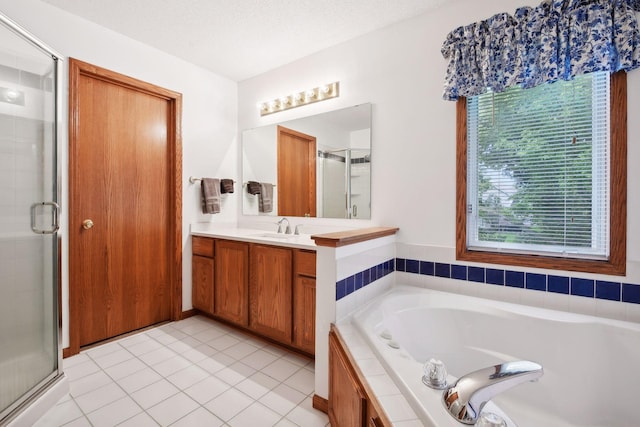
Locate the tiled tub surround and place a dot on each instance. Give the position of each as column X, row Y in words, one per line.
column 568, row 346
column 599, row 296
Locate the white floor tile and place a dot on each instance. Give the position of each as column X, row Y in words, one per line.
column 281, row 369
column 229, row 404
column 187, row 377
column 157, row 356
column 235, row 373
column 89, row 383
column 259, row 359
column 199, row 353
column 199, row 417
column 124, row 369
column 81, row 370
column 139, row 380
column 60, row 414
column 172, row 365
column 141, row 420
column 113, row 358
column 255, row 415
column 209, row 334
column 100, row 397
column 75, row 360
column 132, row 340
column 216, row 362
column 282, row 399
column 223, row 342
column 305, row 415
column 144, row 347
column 303, row 381
column 257, row 385
column 154, row 393
column 225, row 377
column 114, row 413
column 240, row 350
column 207, row 389
column 103, row 350
column 172, row 409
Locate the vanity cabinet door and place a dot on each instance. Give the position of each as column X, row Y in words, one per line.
column 347, row 401
column 231, row 290
column 270, row 292
column 304, row 301
column 202, row 283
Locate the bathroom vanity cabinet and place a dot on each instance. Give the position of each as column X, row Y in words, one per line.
column 350, row 401
column 266, row 289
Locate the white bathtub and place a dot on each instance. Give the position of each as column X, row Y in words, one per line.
column 591, row 365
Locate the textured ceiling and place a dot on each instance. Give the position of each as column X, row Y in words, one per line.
column 239, row 39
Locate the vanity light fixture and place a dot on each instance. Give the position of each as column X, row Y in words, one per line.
column 298, row 99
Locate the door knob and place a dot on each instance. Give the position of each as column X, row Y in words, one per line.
column 87, row 224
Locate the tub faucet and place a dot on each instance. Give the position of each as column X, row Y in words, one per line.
column 465, row 399
column 287, row 230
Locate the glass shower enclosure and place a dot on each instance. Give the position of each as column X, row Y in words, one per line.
column 347, row 183
column 30, row 355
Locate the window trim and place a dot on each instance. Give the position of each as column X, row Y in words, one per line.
column 617, row 262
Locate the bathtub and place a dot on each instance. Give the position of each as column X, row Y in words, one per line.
column 591, row 365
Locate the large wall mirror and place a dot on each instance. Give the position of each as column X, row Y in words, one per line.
column 317, row 166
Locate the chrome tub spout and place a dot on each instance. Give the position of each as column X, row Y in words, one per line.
column 465, row 399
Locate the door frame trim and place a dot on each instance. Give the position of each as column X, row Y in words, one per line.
column 77, row 69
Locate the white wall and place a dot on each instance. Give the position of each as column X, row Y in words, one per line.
column 400, row 70
column 209, row 125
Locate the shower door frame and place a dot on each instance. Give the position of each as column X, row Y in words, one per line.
column 21, row 404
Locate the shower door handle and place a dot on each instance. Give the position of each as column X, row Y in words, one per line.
column 55, row 217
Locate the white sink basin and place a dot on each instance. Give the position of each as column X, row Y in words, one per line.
column 278, row 236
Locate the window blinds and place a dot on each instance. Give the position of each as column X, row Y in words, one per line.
column 538, row 169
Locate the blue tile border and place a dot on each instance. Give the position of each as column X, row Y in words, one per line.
column 359, row 280
column 600, row 289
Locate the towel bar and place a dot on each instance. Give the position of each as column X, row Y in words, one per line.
column 193, row 179
column 245, row 184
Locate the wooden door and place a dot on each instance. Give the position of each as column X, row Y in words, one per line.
column 296, row 173
column 231, row 281
column 270, row 290
column 125, row 204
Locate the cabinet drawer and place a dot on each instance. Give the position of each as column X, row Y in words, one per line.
column 202, row 246
column 305, row 263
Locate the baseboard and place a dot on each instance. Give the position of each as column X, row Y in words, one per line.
column 320, row 403
column 188, row 313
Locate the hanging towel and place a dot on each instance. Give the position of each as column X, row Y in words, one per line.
column 265, row 198
column 210, row 195
column 253, row 187
column 226, row 186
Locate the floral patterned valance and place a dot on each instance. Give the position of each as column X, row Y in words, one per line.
column 556, row 40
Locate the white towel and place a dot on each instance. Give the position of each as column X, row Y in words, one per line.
column 265, row 198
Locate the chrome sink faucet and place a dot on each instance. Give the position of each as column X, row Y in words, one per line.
column 465, row 399
column 287, row 230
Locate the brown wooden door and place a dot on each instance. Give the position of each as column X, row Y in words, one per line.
column 124, row 152
column 270, row 290
column 296, row 173
column 231, row 282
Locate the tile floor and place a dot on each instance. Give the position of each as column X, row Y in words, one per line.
column 195, row 372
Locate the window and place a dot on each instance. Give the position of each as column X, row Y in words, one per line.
column 542, row 175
